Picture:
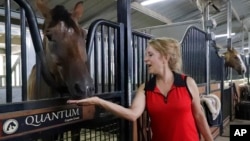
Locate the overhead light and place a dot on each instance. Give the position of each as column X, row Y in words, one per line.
column 223, row 35
column 246, row 48
column 148, row 2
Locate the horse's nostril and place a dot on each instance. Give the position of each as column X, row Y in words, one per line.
column 78, row 88
column 87, row 90
column 90, row 90
column 49, row 37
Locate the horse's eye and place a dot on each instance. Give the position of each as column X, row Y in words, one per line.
column 59, row 68
column 236, row 58
column 49, row 36
column 58, row 63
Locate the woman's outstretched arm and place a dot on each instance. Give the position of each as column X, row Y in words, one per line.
column 131, row 113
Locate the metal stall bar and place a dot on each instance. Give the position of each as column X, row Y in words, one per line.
column 222, row 94
column 248, row 66
column 215, row 60
column 8, row 51
column 37, row 41
column 105, row 46
column 193, row 56
column 208, row 31
column 229, row 45
column 229, row 30
column 23, row 55
column 96, row 30
column 139, row 44
column 138, row 62
column 116, row 53
column 93, row 28
column 124, row 16
column 109, row 59
column 134, row 67
column 193, row 53
column 96, row 52
column 102, row 60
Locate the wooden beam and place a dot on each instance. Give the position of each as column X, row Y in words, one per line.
column 2, row 51
column 15, row 39
column 136, row 6
column 238, row 18
column 15, row 18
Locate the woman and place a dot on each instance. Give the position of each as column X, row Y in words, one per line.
column 171, row 98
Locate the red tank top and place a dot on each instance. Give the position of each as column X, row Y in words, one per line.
column 171, row 117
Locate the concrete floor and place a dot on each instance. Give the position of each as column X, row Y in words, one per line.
column 225, row 136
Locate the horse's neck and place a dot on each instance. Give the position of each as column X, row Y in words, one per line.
column 43, row 91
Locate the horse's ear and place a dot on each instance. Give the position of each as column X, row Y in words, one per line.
column 78, row 11
column 233, row 49
column 230, row 49
column 43, row 8
column 224, row 54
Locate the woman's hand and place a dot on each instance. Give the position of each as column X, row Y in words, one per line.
column 86, row 101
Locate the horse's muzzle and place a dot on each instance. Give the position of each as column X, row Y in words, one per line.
column 83, row 91
column 241, row 71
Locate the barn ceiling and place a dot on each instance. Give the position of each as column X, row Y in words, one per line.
column 165, row 18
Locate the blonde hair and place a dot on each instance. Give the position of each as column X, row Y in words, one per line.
column 169, row 47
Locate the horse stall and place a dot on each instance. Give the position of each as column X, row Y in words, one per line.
column 194, row 64
column 51, row 118
column 212, row 79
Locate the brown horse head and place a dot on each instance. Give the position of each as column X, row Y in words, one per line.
column 65, row 48
column 233, row 59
